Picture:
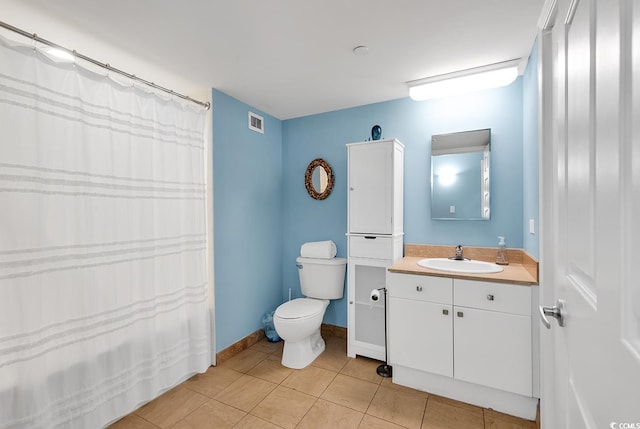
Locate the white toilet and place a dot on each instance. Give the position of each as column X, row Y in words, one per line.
column 298, row 321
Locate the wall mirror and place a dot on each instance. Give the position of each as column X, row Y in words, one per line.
column 460, row 175
column 318, row 179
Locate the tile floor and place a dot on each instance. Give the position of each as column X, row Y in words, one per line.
column 253, row 390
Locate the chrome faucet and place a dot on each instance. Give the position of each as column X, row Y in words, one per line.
column 458, row 256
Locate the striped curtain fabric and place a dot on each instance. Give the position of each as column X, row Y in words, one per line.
column 103, row 280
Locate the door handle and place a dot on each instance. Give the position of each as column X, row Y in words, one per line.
column 556, row 312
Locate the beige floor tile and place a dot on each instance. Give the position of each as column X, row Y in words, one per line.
column 403, row 408
column 442, row 414
column 246, row 392
column 267, row 347
column 284, row 407
column 253, row 422
column 370, row 422
column 214, row 415
column 330, row 393
column 496, row 420
column 212, row 382
column 245, row 360
column 363, row 368
column 333, row 361
column 181, row 425
column 132, row 422
column 171, row 407
column 325, row 414
column 270, row 370
column 388, row 382
column 350, row 392
column 311, row 380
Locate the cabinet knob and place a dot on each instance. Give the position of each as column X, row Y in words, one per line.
column 445, row 311
column 490, row 297
column 351, row 188
column 419, row 288
column 350, row 302
column 460, row 314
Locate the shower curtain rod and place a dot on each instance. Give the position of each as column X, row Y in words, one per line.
column 39, row 39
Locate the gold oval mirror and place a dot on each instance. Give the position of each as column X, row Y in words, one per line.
column 318, row 179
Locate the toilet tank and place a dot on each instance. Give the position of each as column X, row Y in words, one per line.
column 322, row 278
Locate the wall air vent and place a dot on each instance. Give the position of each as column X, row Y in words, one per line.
column 256, row 123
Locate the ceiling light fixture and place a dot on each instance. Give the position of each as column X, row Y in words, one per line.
column 464, row 81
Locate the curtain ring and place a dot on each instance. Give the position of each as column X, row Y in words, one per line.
column 34, row 36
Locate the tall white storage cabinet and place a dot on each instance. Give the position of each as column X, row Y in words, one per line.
column 375, row 230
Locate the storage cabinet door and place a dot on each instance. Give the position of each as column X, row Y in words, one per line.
column 421, row 335
column 366, row 319
column 370, row 189
column 493, row 349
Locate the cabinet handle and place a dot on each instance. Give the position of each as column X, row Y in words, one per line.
column 490, row 297
column 419, row 288
column 370, row 237
column 445, row 312
column 460, row 314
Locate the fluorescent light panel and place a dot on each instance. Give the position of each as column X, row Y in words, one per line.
column 461, row 82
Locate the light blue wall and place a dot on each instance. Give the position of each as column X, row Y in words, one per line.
column 263, row 213
column 247, row 198
column 530, row 102
column 413, row 123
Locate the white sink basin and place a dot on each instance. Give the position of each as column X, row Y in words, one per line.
column 453, row 266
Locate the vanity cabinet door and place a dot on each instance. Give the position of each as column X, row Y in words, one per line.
column 421, row 335
column 493, row 349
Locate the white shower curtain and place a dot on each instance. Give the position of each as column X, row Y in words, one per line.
column 103, row 280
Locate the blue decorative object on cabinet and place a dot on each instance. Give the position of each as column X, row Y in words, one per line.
column 376, row 132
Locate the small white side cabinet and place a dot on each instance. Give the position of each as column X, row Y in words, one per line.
column 375, row 202
column 466, row 339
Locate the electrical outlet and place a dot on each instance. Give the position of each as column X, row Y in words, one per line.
column 452, row 209
column 532, row 226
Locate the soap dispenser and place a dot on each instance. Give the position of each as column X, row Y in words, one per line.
column 501, row 259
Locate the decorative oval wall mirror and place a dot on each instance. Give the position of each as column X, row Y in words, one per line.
column 318, row 179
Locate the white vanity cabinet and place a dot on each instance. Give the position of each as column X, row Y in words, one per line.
column 374, row 238
column 469, row 340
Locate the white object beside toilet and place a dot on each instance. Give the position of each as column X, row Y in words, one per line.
column 298, row 321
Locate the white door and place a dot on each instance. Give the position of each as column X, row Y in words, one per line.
column 590, row 199
column 422, row 335
column 493, row 349
column 370, row 188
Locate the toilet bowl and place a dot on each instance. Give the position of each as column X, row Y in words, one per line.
column 298, row 321
column 298, row 324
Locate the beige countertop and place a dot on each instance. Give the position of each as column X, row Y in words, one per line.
column 522, row 268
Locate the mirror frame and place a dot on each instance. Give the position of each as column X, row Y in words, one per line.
column 318, row 162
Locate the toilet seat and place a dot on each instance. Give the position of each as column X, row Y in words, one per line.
column 300, row 308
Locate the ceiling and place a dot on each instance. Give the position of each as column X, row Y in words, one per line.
column 292, row 58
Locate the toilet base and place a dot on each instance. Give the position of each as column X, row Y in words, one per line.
column 300, row 354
